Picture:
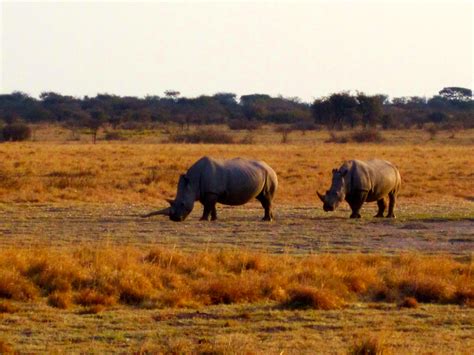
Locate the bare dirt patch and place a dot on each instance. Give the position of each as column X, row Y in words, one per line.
column 296, row 230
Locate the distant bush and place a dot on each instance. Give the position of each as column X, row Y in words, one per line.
column 114, row 136
column 334, row 138
column 248, row 139
column 203, row 135
column 304, row 126
column 285, row 132
column 237, row 124
column 367, row 135
column 16, row 132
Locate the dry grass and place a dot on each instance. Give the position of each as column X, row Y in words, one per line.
column 408, row 302
column 124, row 172
column 7, row 307
column 369, row 345
column 171, row 278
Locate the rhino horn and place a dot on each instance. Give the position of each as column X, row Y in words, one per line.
column 321, row 197
column 164, row 211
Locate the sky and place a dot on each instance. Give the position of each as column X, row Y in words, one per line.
column 305, row 50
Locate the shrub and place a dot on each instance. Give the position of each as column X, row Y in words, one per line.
column 304, row 297
column 60, row 300
column 367, row 135
column 16, row 132
column 248, row 139
column 237, row 124
column 333, row 138
column 114, row 136
column 203, row 135
column 285, row 133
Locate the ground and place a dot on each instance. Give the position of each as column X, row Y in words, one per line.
column 63, row 195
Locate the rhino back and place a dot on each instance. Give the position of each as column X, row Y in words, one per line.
column 244, row 180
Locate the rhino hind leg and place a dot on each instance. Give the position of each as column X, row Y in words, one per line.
column 391, row 205
column 267, row 206
column 382, row 205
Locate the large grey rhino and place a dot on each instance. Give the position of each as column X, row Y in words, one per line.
column 359, row 181
column 230, row 182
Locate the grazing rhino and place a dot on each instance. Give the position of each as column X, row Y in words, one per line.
column 359, row 181
column 230, row 182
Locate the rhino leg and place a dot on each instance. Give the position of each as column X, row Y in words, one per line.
column 209, row 203
column 391, row 205
column 267, row 206
column 382, row 204
column 356, row 200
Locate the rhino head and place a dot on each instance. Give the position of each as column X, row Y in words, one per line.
column 337, row 192
column 182, row 205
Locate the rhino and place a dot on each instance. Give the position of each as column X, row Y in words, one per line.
column 229, row 182
column 358, row 181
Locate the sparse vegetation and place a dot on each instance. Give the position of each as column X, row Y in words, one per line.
column 16, row 132
column 175, row 279
column 203, row 135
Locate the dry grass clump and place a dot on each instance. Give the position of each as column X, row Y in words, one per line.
column 162, row 277
column 58, row 299
column 6, row 348
column 369, row 345
column 408, row 302
column 304, row 297
column 7, row 307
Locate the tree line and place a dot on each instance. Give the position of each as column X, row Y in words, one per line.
column 452, row 107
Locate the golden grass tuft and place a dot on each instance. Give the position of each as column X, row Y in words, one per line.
column 6, row 348
column 369, row 345
column 58, row 299
column 91, row 297
column 408, row 302
column 174, row 278
column 16, row 287
column 7, row 307
column 304, row 297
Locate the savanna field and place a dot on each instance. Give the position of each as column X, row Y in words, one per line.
column 80, row 271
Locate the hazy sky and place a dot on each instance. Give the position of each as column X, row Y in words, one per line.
column 304, row 49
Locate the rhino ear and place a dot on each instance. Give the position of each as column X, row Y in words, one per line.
column 334, row 171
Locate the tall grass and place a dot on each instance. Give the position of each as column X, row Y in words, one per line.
column 171, row 278
column 146, row 173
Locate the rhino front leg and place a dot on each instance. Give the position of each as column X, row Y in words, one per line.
column 356, row 201
column 391, row 205
column 209, row 203
column 382, row 204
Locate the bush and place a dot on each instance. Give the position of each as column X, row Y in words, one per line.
column 16, row 132
column 367, row 135
column 203, row 135
column 243, row 124
column 333, row 138
column 114, row 136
